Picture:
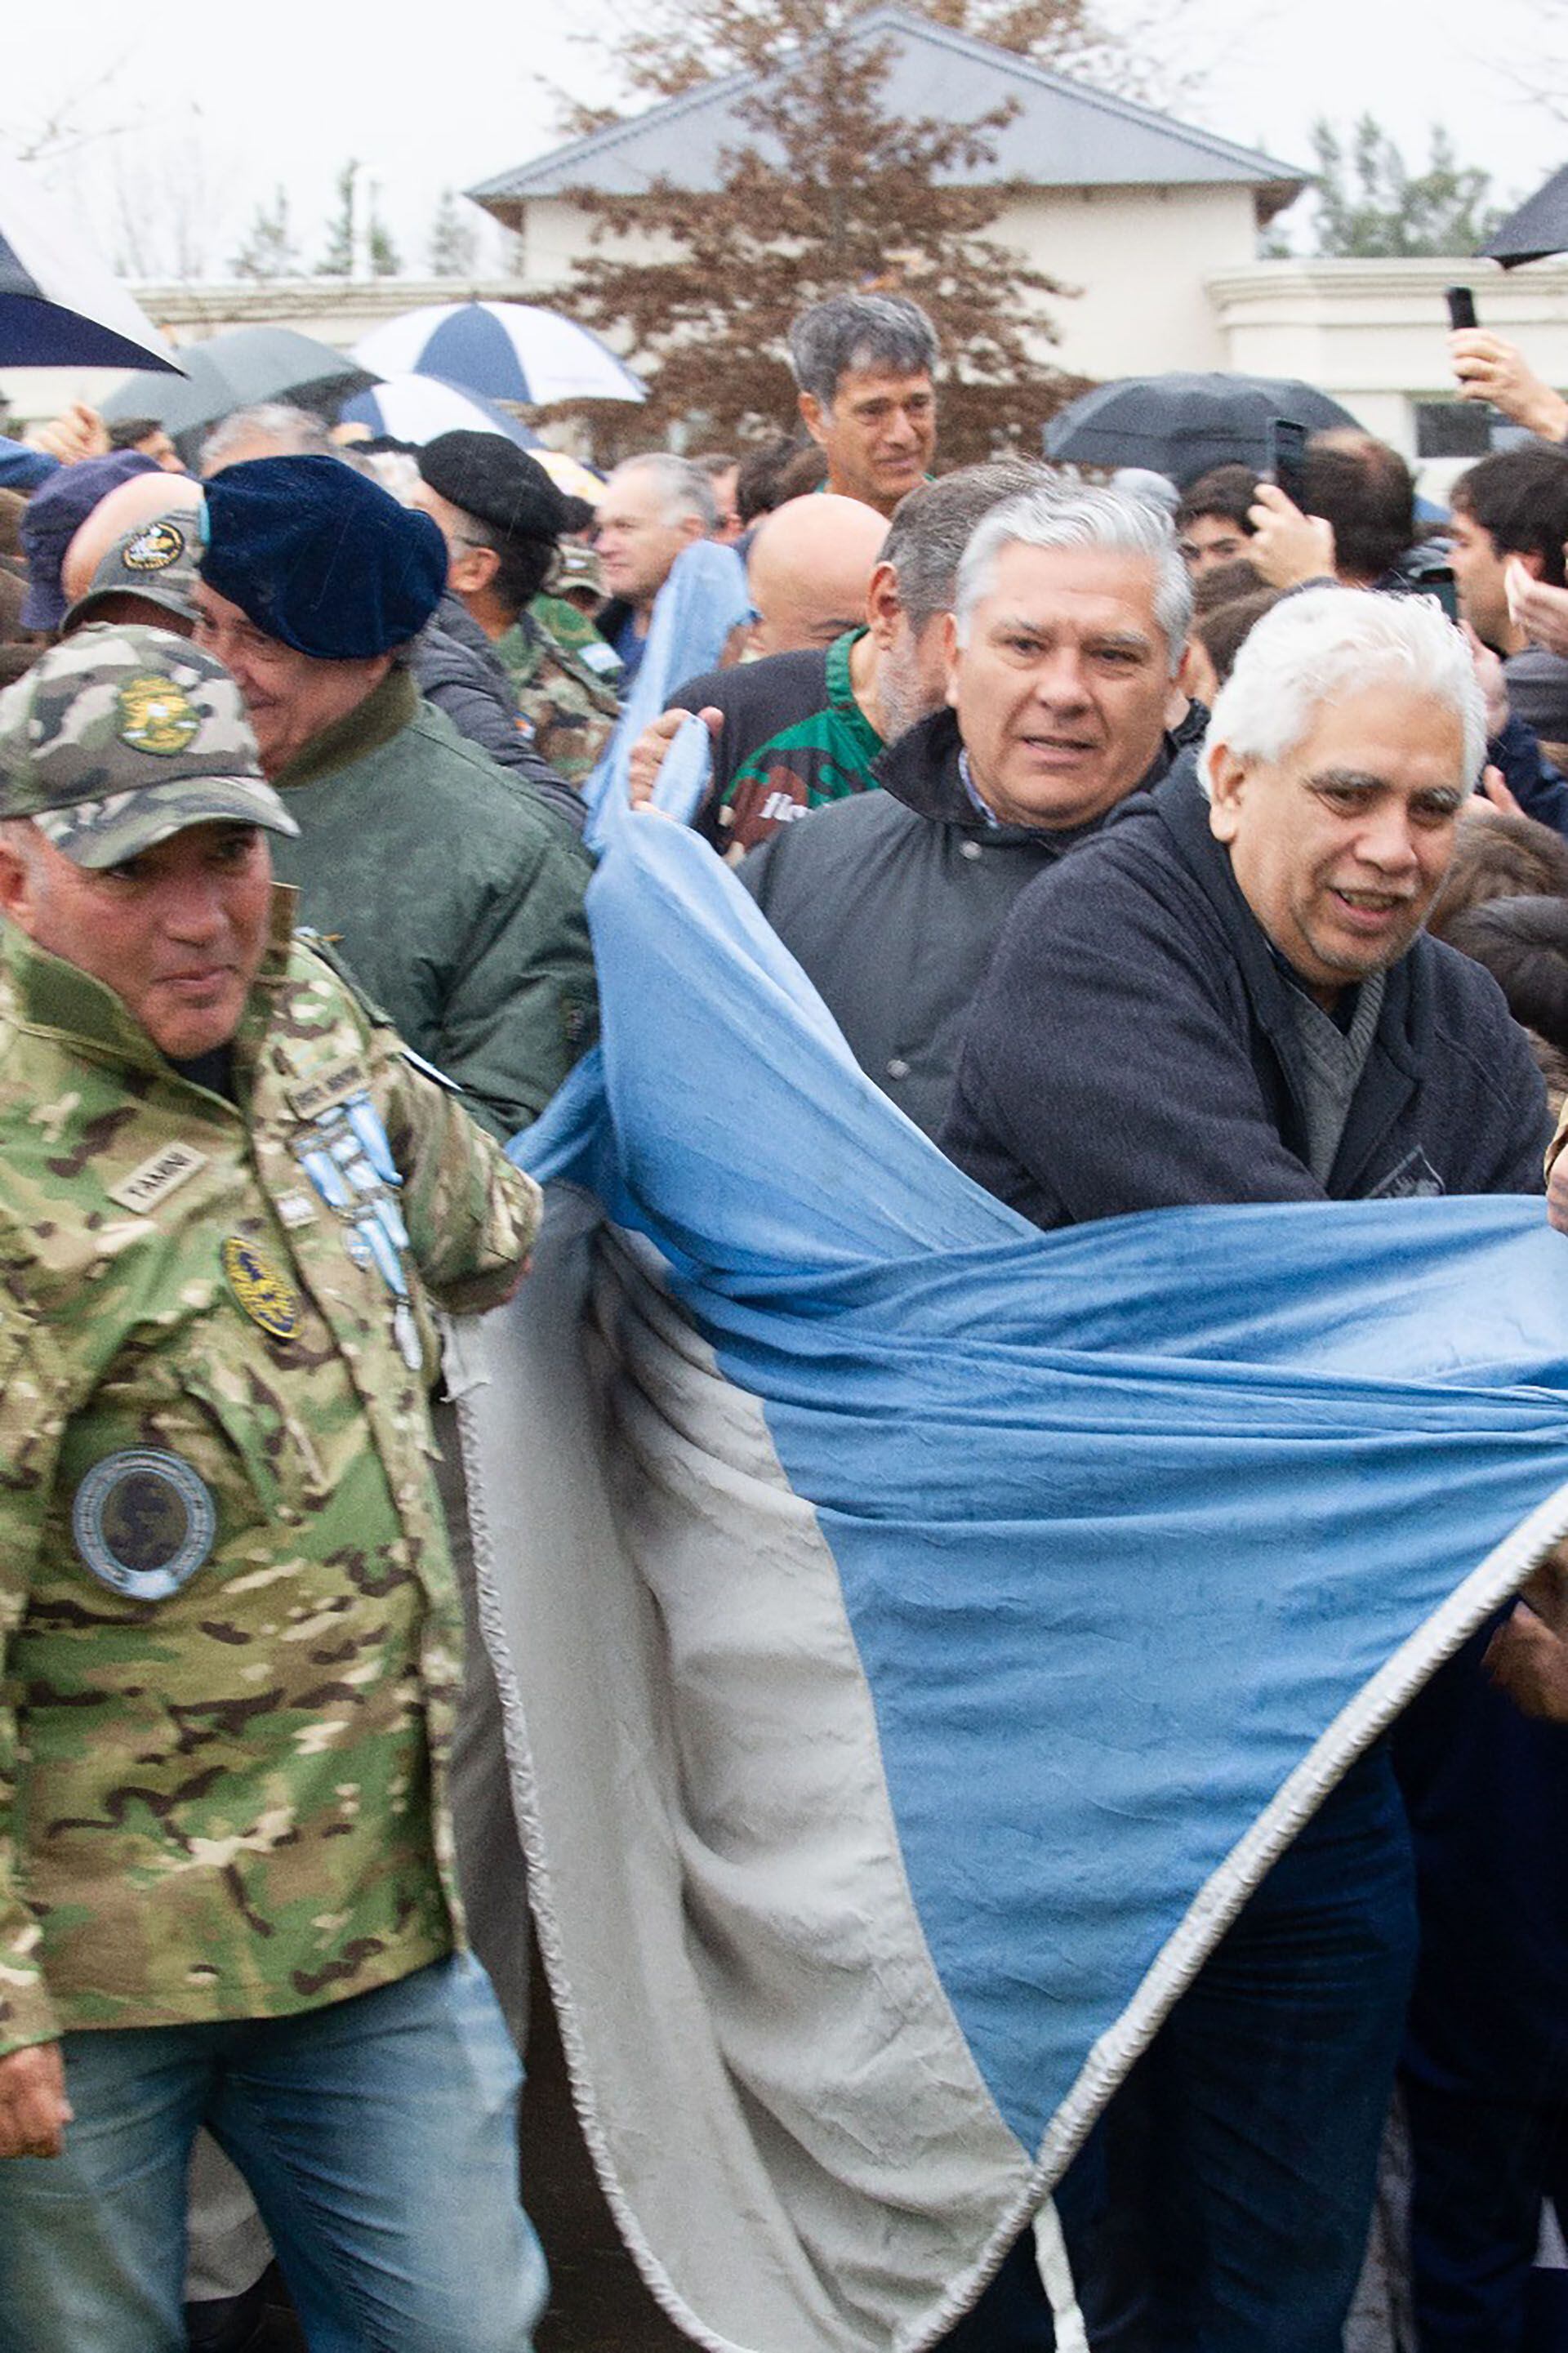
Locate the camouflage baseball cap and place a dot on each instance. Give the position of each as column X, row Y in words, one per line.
column 576, row 565
column 156, row 564
column 115, row 739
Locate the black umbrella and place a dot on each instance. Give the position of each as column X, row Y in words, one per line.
column 1540, row 226
column 1180, row 425
column 235, row 370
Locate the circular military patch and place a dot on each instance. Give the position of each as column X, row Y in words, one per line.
column 144, row 1522
column 261, row 1287
column 153, row 548
column 155, row 715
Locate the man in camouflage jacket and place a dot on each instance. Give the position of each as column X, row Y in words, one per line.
column 456, row 894
column 229, row 1641
column 504, row 519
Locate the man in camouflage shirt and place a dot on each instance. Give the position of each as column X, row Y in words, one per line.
column 228, row 1636
column 502, row 519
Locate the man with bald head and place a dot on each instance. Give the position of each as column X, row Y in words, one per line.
column 809, row 570
column 802, row 728
column 144, row 498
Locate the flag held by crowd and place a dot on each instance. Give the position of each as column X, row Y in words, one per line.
column 920, row 1633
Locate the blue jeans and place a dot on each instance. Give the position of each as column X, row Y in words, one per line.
column 378, row 2136
column 1481, row 2169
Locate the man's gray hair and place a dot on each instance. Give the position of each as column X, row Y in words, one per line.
column 293, row 432
column 932, row 526
column 683, row 488
column 1082, row 517
column 1323, row 645
column 885, row 333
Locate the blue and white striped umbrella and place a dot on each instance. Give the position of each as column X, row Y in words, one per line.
column 507, row 351
column 417, row 407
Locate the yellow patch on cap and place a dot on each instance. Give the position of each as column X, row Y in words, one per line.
column 156, row 715
column 153, row 548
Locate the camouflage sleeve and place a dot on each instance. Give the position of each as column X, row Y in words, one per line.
column 471, row 1216
column 32, row 1417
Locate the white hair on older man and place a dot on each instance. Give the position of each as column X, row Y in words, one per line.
column 1056, row 516
column 1324, row 646
column 682, row 487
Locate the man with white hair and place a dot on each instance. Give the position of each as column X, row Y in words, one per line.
column 1229, row 997
column 1063, row 697
column 653, row 506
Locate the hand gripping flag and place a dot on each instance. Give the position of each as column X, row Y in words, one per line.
column 919, row 1634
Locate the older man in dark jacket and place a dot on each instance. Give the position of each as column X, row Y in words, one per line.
column 1064, row 699
column 1229, row 999
column 457, row 895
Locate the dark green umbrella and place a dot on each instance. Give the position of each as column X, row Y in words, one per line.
column 235, row 370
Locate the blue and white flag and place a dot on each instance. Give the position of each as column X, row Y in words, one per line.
column 920, row 1633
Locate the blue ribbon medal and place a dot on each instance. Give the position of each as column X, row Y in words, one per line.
column 348, row 1162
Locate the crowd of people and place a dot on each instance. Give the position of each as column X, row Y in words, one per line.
column 1152, row 844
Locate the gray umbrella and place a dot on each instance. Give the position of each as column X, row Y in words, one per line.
column 235, row 370
column 1540, row 226
column 1180, row 425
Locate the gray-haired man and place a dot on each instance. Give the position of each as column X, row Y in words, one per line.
column 863, row 364
column 796, row 730
column 652, row 508
column 1230, row 999
column 1062, row 683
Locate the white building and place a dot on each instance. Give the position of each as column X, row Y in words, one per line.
column 1133, row 211
column 1154, row 223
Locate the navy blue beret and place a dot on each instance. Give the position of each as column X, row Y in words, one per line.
column 321, row 556
column 50, row 523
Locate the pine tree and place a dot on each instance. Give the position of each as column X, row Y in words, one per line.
column 828, row 191
column 385, row 261
column 268, row 250
column 338, row 261
column 1370, row 204
column 454, row 240
column 352, row 216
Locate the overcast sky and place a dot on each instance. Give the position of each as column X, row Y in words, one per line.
column 190, row 141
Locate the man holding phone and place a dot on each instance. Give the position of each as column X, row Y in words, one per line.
column 1342, row 506
column 1492, row 370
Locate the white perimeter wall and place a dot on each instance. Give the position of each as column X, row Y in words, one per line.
column 1167, row 281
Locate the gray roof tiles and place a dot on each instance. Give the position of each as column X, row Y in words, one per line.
column 1064, row 135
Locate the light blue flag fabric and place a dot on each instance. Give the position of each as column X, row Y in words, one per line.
column 999, row 1605
column 703, row 599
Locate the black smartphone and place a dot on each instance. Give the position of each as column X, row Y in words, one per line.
column 1288, row 459
column 1461, row 305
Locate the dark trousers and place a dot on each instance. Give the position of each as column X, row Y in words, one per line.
column 1224, row 2205
column 1480, row 2170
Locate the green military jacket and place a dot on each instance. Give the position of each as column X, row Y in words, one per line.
column 571, row 709
column 230, row 1643
column 456, row 894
